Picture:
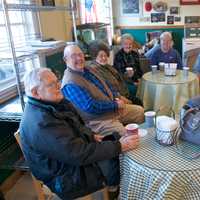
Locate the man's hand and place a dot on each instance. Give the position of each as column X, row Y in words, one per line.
column 125, row 100
column 129, row 142
column 98, row 138
column 120, row 103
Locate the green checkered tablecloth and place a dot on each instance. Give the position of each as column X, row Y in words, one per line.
column 155, row 172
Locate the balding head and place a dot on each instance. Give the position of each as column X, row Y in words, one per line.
column 166, row 41
column 74, row 57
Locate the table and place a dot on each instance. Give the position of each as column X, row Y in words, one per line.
column 155, row 172
column 157, row 90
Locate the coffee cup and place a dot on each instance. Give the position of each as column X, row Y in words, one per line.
column 185, row 71
column 161, row 66
column 149, row 118
column 154, row 69
column 129, row 71
column 132, row 129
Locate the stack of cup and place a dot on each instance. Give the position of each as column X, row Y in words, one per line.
column 161, row 66
column 154, row 69
column 150, row 118
column 186, row 71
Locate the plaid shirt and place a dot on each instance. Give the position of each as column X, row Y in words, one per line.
column 81, row 98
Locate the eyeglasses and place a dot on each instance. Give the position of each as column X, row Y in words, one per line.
column 54, row 84
column 76, row 55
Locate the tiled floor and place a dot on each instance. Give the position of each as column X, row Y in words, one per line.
column 24, row 190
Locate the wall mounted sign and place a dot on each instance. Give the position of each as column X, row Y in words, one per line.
column 160, row 6
column 157, row 17
column 189, row 2
column 170, row 19
column 174, row 10
column 131, row 7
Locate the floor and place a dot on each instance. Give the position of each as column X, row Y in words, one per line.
column 24, row 190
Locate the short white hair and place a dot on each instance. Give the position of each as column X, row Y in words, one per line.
column 68, row 49
column 127, row 36
column 166, row 33
column 33, row 78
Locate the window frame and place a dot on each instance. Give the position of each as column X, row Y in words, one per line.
column 8, row 88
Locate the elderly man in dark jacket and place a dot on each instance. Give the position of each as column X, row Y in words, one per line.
column 67, row 156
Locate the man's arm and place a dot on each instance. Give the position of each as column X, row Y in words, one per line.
column 61, row 142
column 81, row 98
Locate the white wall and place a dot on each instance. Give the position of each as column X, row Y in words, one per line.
column 120, row 20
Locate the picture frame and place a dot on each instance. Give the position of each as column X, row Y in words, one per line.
column 189, row 2
column 177, row 19
column 174, row 10
column 170, row 19
column 48, row 3
column 157, row 17
column 131, row 7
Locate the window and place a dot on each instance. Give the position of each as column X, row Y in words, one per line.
column 23, row 26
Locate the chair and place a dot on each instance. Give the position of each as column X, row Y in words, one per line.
column 37, row 184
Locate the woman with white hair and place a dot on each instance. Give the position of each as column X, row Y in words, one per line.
column 166, row 53
column 128, row 57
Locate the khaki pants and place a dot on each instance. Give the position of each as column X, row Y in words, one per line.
column 130, row 114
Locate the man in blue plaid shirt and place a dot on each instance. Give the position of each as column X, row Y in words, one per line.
column 102, row 108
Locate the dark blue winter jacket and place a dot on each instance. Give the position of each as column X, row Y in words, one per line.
column 61, row 151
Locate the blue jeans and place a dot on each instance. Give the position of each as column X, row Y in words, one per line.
column 110, row 170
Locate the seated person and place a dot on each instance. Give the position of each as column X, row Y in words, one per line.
column 60, row 150
column 128, row 57
column 100, row 53
column 196, row 67
column 166, row 53
column 98, row 103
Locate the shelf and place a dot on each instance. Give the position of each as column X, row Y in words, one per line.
column 36, row 49
column 34, row 7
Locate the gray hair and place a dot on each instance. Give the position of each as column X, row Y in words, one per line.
column 33, row 78
column 166, row 33
column 127, row 36
column 68, row 49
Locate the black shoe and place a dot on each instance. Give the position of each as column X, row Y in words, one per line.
column 113, row 195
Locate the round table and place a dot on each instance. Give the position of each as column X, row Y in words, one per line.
column 157, row 90
column 153, row 171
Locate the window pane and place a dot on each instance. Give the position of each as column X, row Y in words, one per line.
column 23, row 29
column 15, row 17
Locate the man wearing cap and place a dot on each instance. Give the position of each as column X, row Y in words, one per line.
column 97, row 102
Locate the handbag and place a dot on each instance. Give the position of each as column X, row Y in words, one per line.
column 189, row 130
column 190, row 126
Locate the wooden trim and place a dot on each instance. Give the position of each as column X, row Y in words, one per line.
column 149, row 27
column 194, row 2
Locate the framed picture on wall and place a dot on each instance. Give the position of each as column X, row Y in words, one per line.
column 174, row 10
column 189, row 2
column 131, row 7
column 48, row 2
column 157, row 17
